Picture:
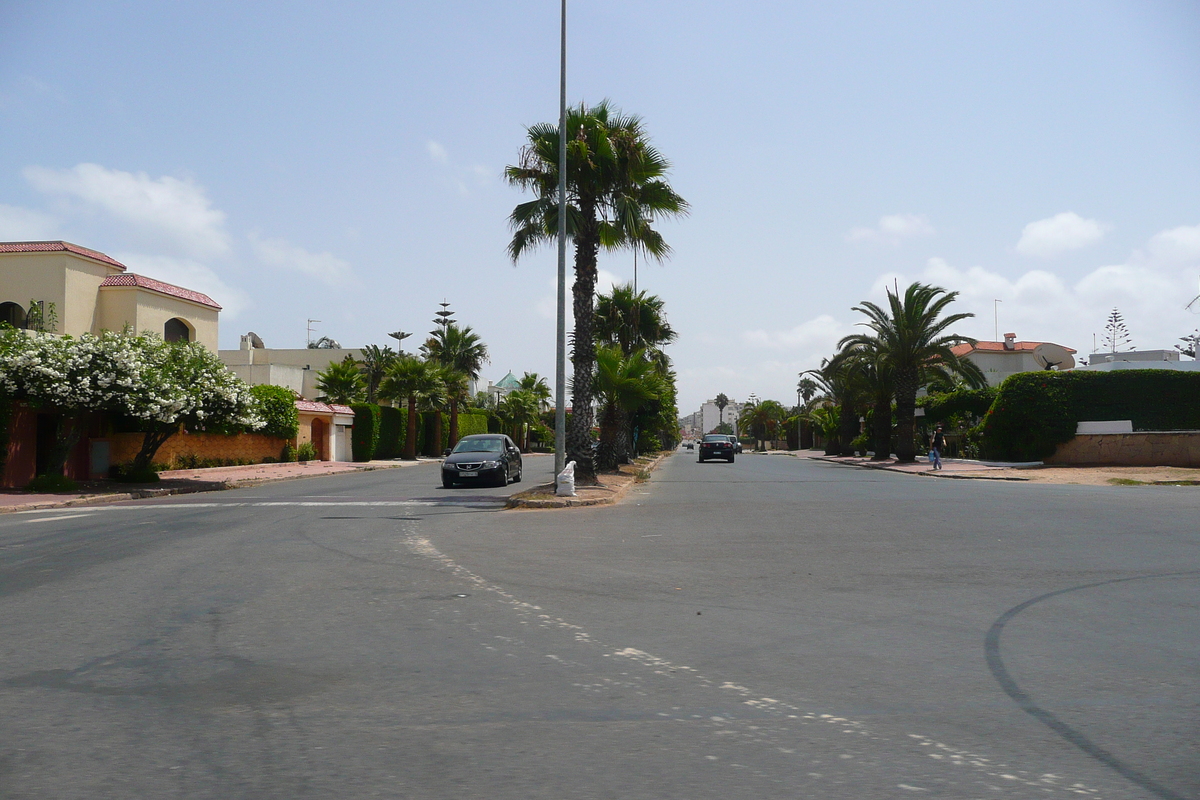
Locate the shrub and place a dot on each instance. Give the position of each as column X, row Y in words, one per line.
column 288, row 455
column 392, row 425
column 128, row 473
column 277, row 407
column 307, row 451
column 647, row 443
column 973, row 402
column 52, row 483
column 364, row 439
column 1034, row 412
column 472, row 423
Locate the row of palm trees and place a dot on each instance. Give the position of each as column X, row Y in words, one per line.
column 878, row 373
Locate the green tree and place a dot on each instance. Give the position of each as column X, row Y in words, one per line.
column 518, row 410
column 460, row 350
column 721, row 402
column 615, row 187
column 376, row 361
column 763, row 420
column 632, row 320
column 411, row 380
column 624, row 384
column 342, row 382
column 869, row 364
column 911, row 335
column 536, row 385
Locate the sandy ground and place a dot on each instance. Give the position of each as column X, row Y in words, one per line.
column 1099, row 476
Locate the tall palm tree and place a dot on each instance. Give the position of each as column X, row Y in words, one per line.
column 536, row 385
column 461, row 350
column 615, row 186
column 519, row 409
column 841, row 382
column 868, row 362
column 413, row 380
column 341, row 382
column 375, row 363
column 763, row 419
column 624, row 384
column 632, row 320
column 720, row 402
column 911, row 336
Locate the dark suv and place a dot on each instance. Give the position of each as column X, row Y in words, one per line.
column 716, row 445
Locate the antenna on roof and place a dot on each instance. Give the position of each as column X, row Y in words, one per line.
column 1195, row 302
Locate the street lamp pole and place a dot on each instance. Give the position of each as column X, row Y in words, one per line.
column 560, row 375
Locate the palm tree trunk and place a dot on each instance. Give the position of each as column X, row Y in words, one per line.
column 410, row 434
column 881, row 428
column 847, row 429
column 906, row 403
column 583, row 356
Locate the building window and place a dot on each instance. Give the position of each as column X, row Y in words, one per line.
column 12, row 314
column 176, row 330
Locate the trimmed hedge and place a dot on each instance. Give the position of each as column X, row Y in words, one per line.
column 940, row 407
column 1034, row 412
column 364, row 439
column 277, row 406
column 471, row 423
column 391, row 432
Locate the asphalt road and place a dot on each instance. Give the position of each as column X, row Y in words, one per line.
column 774, row 628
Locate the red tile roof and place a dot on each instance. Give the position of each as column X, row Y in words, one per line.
column 961, row 350
column 323, row 408
column 142, row 282
column 59, row 247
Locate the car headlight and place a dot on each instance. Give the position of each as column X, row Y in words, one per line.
column 490, row 464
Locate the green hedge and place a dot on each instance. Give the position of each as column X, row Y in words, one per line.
column 1034, row 412
column 472, row 423
column 391, row 432
column 364, row 439
column 277, row 406
column 940, row 407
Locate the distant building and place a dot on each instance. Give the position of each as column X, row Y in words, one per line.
column 709, row 416
column 295, row 369
column 1139, row 359
column 998, row 360
column 91, row 292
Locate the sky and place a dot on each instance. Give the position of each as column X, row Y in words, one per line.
column 344, row 162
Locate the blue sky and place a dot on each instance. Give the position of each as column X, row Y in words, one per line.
column 343, row 162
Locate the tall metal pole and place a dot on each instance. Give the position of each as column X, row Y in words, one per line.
column 560, row 412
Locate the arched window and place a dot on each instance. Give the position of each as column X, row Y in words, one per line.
column 176, row 330
column 12, row 314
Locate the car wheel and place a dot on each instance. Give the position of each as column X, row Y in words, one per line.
column 699, row 460
column 731, row 459
column 502, row 478
column 447, row 483
column 517, row 477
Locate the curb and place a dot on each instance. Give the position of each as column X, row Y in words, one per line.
column 211, row 486
column 924, row 474
column 528, row 500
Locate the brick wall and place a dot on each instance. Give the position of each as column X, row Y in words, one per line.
column 1150, row 449
column 246, row 446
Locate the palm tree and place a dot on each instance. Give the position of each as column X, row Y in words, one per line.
column 624, row 384
column 762, row 420
column 865, row 359
column 342, row 382
column 375, row 363
column 720, row 403
column 842, row 384
column 411, row 379
column 807, row 388
column 536, row 385
column 632, row 320
column 911, row 336
column 461, row 350
column 519, row 409
column 615, row 186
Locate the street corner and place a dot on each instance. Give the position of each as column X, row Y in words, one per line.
column 609, row 489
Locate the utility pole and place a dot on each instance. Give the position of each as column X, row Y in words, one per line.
column 560, row 374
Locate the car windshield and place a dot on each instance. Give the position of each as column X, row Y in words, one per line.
column 490, row 445
column 715, row 437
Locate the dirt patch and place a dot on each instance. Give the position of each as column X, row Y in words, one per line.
column 1104, row 476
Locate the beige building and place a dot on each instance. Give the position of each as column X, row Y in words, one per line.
column 998, row 360
column 90, row 292
column 295, row 369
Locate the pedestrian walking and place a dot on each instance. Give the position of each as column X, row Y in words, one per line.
column 935, row 448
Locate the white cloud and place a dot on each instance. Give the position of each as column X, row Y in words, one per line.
column 171, row 213
column 820, row 334
column 24, row 225
column 190, row 275
column 437, row 152
column 325, row 267
column 893, row 229
column 463, row 177
column 1175, row 246
column 1058, row 234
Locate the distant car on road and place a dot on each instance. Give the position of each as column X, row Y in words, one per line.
column 486, row 458
column 716, row 445
column 737, row 446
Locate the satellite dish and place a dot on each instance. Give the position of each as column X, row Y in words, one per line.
column 256, row 341
column 1053, row 356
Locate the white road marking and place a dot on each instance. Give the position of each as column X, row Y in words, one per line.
column 56, row 518
column 1046, row 783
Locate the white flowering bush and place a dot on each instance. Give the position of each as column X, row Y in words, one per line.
column 159, row 386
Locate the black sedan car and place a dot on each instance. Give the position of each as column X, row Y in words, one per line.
column 486, row 458
column 716, row 445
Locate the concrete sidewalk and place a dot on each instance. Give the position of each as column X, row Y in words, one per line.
column 188, row 481
column 951, row 467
